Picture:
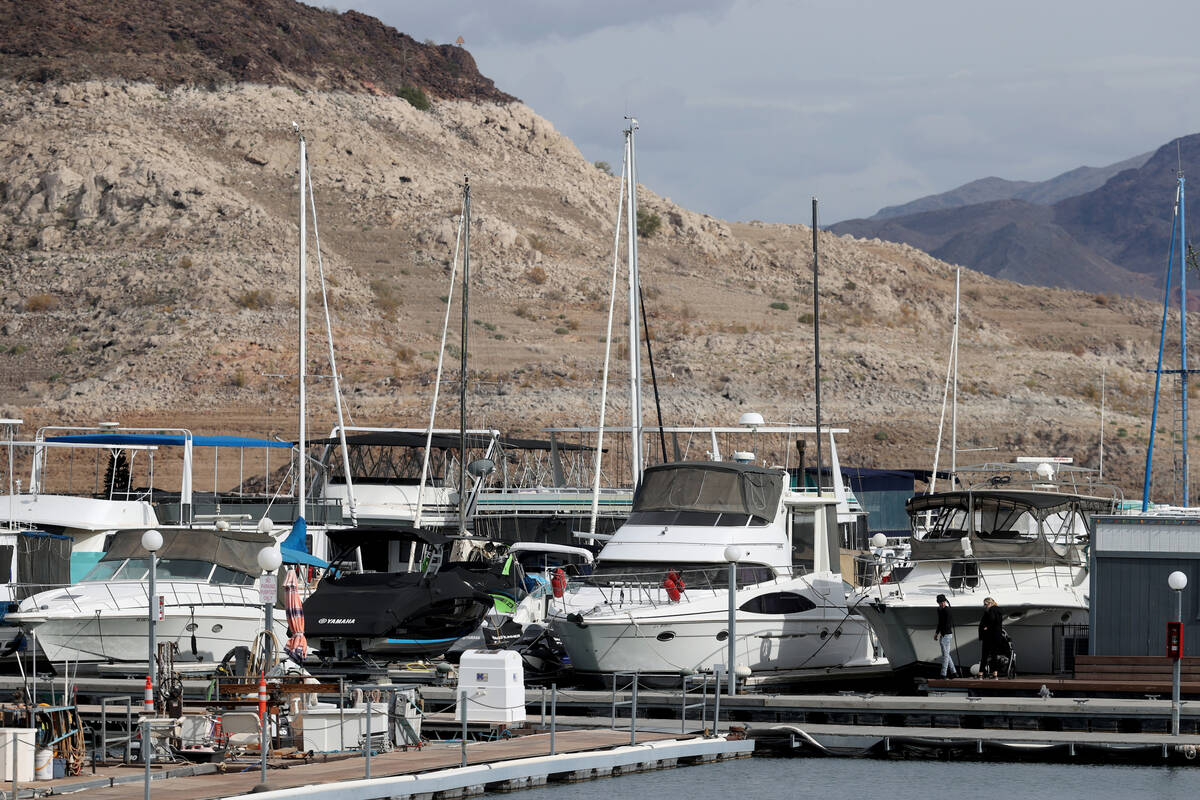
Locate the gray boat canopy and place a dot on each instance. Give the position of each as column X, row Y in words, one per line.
column 713, row 486
column 1012, row 524
column 235, row 550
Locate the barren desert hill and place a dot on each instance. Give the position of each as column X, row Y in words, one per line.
column 150, row 270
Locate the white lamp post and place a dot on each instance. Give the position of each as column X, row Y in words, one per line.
column 1178, row 582
column 151, row 540
column 269, row 559
column 733, row 554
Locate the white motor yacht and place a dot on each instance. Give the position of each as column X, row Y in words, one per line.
column 657, row 601
column 207, row 582
column 1020, row 543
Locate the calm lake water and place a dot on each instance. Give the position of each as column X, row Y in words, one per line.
column 875, row 779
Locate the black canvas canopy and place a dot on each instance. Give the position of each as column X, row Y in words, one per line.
column 713, row 486
column 236, row 550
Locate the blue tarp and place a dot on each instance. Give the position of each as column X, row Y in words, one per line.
column 167, row 440
column 291, row 556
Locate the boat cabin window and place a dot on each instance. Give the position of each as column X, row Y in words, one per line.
column 6, row 559
column 695, row 576
column 103, row 570
column 803, row 546
column 778, row 603
column 183, row 569
column 229, row 576
column 686, row 489
column 134, row 569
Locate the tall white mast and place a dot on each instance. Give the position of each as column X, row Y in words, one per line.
column 635, row 361
column 302, row 357
column 954, row 404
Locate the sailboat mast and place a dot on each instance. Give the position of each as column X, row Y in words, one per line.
column 462, row 383
column 954, row 397
column 1183, row 308
column 302, row 356
column 635, row 361
column 816, row 342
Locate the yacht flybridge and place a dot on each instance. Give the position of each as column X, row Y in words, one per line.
column 1018, row 537
column 657, row 601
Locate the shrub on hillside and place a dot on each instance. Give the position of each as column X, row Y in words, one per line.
column 415, row 96
column 41, row 302
column 648, row 223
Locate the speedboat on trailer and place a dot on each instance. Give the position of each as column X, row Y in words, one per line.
column 208, row 582
column 393, row 613
column 1024, row 546
column 657, row 601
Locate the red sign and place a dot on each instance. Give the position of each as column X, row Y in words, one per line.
column 1174, row 640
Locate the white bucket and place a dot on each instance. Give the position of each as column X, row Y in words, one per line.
column 43, row 764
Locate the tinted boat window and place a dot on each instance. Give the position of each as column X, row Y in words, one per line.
column 778, row 603
column 103, row 571
column 183, row 569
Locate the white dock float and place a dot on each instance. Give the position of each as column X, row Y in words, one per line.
column 521, row 773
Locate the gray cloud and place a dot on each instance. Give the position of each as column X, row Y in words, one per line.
column 749, row 107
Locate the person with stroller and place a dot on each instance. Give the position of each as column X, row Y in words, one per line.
column 944, row 635
column 991, row 638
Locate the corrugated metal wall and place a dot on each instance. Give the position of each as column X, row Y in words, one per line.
column 1131, row 603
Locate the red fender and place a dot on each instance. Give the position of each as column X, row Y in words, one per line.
column 558, row 582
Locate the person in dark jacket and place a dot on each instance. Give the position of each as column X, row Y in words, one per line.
column 991, row 637
column 944, row 635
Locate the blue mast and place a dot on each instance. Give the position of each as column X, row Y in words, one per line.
column 1162, row 340
column 1183, row 309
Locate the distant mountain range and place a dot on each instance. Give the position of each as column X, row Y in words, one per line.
column 1101, row 229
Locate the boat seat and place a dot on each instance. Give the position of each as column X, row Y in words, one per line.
column 243, row 729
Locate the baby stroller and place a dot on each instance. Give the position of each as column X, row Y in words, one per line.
column 1004, row 661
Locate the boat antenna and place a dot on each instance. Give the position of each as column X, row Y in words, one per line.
column 816, row 343
column 1102, row 376
column 462, row 381
column 662, row 436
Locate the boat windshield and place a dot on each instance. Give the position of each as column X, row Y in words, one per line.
column 695, row 576
column 710, row 490
column 179, row 569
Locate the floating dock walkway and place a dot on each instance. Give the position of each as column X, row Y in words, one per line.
column 434, row 772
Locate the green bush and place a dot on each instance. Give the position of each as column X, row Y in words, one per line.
column 779, row 305
column 415, row 96
column 604, row 167
column 648, row 223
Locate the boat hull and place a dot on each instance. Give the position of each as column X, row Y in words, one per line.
column 906, row 631
column 692, row 636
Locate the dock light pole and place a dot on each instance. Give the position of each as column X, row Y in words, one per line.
column 151, row 541
column 269, row 559
column 1178, row 582
column 733, row 554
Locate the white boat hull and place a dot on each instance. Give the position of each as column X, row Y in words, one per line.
column 109, row 624
column 905, row 629
column 691, row 636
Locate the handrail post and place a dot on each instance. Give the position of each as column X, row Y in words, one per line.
column 553, row 714
column 633, row 712
column 368, row 745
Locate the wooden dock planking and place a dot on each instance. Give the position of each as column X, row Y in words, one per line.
column 213, row 787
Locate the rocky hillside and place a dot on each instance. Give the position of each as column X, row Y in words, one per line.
column 149, row 259
column 185, row 42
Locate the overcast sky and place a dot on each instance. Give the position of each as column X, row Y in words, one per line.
column 748, row 108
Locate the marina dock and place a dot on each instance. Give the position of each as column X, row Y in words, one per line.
column 434, row 771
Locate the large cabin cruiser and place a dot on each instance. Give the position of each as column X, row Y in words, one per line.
column 657, row 601
column 1019, row 542
column 210, row 599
